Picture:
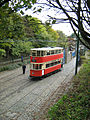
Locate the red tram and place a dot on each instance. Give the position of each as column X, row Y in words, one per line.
column 45, row 60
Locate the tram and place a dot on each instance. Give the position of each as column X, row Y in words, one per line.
column 45, row 60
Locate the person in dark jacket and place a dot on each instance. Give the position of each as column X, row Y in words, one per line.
column 24, row 68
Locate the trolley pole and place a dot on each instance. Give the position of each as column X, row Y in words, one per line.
column 77, row 48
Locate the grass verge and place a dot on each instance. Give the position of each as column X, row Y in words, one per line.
column 75, row 104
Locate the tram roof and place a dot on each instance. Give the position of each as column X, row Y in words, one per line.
column 47, row 48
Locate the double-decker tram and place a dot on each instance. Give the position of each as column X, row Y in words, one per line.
column 45, row 60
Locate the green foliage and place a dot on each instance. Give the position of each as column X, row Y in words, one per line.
column 62, row 40
column 2, row 52
column 17, row 5
column 11, row 29
column 74, row 105
column 52, row 35
column 54, row 21
column 21, row 47
column 11, row 26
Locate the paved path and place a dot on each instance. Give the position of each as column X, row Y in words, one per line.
column 21, row 97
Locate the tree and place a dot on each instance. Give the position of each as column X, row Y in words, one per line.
column 39, row 33
column 21, row 48
column 36, row 31
column 62, row 40
column 11, row 30
column 28, row 30
column 52, row 35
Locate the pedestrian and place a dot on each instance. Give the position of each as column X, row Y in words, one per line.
column 24, row 68
column 21, row 58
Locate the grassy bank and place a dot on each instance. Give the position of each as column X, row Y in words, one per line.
column 75, row 104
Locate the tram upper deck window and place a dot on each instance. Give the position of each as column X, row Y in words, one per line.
column 56, row 51
column 59, row 51
column 33, row 53
column 48, row 52
column 62, row 50
column 52, row 52
column 42, row 53
column 38, row 53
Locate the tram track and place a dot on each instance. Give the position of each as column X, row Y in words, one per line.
column 8, row 79
column 19, row 99
column 6, row 75
column 16, row 87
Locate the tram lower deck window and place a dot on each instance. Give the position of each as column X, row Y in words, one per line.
column 53, row 63
column 47, row 65
column 37, row 66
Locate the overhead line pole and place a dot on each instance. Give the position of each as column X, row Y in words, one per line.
column 77, row 48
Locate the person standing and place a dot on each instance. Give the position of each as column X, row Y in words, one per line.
column 24, row 68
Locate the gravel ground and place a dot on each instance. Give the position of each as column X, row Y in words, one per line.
column 29, row 99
